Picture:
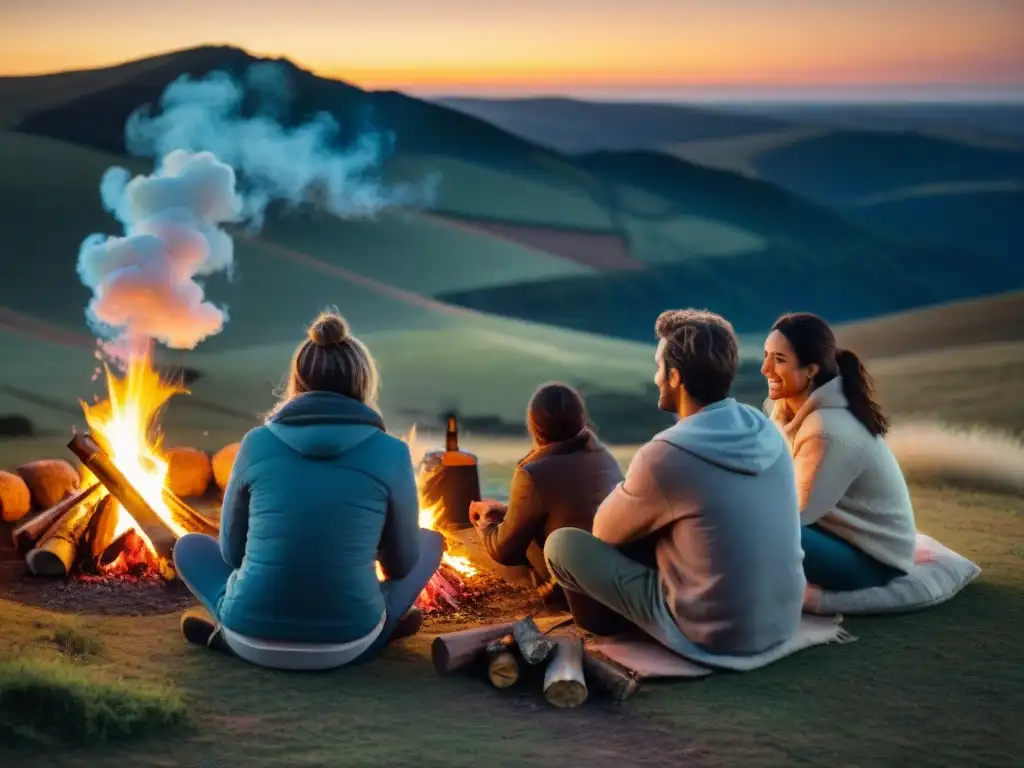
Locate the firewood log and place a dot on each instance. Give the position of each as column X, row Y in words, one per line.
column 502, row 665
column 100, row 534
column 102, row 466
column 611, row 678
column 28, row 533
column 564, row 683
column 457, row 650
column 15, row 497
column 56, row 552
column 188, row 518
column 49, row 480
column 533, row 645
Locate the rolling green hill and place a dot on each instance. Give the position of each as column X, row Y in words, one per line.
column 674, row 232
column 935, row 176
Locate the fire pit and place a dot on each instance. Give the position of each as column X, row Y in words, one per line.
column 124, row 520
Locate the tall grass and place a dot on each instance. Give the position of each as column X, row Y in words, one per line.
column 975, row 456
column 48, row 702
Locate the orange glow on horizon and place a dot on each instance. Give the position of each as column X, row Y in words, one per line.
column 456, row 43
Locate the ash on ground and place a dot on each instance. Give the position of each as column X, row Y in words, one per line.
column 486, row 598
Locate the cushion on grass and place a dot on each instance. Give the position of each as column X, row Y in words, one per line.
column 938, row 575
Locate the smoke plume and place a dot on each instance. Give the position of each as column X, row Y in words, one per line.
column 215, row 165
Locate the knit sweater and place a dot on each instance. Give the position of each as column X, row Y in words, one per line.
column 848, row 481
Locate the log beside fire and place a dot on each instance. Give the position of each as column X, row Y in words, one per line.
column 80, row 533
column 510, row 649
column 102, row 466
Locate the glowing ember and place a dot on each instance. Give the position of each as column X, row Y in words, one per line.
column 126, row 425
column 447, row 584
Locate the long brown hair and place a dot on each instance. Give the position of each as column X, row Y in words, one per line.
column 814, row 343
column 332, row 360
column 556, row 413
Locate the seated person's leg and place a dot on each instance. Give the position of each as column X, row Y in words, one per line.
column 202, row 569
column 400, row 594
column 551, row 594
column 608, row 591
column 831, row 563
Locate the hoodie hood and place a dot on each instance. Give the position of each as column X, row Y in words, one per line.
column 324, row 425
column 828, row 395
column 730, row 435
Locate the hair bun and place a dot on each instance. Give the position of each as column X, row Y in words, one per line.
column 328, row 329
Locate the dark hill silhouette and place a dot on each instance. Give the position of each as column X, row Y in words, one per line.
column 843, row 166
column 698, row 190
column 97, row 118
column 571, row 125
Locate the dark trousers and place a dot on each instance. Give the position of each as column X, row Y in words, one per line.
column 834, row 564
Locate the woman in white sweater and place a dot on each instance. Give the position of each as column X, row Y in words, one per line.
column 858, row 520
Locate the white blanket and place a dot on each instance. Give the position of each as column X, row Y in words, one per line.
column 938, row 575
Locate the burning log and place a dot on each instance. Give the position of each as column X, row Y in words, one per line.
column 617, row 682
column 457, row 650
column 502, row 665
column 187, row 518
column 533, row 645
column 100, row 535
column 129, row 548
column 102, row 466
column 57, row 549
column 28, row 533
column 564, row 682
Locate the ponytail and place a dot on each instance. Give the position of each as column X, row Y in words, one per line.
column 859, row 388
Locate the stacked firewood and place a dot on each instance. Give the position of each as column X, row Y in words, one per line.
column 510, row 652
column 77, row 529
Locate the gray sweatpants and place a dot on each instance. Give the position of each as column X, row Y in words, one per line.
column 611, row 592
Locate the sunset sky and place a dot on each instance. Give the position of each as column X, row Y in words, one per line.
column 609, row 48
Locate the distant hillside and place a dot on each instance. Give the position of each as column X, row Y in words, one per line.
column 944, row 328
column 830, row 268
column 574, row 126
column 939, row 176
column 980, row 122
column 598, row 243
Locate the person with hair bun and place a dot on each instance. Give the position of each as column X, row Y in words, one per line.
column 559, row 484
column 317, row 495
column 858, row 519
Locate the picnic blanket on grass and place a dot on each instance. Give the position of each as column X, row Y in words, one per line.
column 648, row 658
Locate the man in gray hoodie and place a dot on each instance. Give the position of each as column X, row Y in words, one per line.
column 713, row 497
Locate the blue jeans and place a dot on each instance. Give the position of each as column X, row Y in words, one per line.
column 835, row 564
column 610, row 592
column 201, row 567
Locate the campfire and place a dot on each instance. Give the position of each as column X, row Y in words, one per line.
column 124, row 520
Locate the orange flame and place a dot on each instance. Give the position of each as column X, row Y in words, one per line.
column 430, row 517
column 126, row 425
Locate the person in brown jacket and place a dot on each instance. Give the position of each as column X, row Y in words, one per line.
column 559, row 484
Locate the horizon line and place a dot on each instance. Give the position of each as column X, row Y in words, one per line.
column 995, row 93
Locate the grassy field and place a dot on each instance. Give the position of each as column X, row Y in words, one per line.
column 931, row 689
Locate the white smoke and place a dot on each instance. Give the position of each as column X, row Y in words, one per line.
column 146, row 284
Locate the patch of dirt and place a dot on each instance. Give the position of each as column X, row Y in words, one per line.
column 122, row 596
column 488, row 600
